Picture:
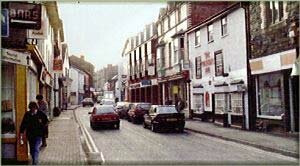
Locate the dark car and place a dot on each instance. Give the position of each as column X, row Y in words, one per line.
column 87, row 101
column 103, row 116
column 137, row 111
column 122, row 109
column 164, row 117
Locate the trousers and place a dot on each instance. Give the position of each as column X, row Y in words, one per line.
column 34, row 144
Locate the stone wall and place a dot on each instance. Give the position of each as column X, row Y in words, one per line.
column 267, row 38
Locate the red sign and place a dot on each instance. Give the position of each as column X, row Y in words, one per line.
column 57, row 65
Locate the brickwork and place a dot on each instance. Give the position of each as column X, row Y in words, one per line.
column 64, row 145
column 267, row 38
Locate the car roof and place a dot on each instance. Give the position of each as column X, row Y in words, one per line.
column 142, row 103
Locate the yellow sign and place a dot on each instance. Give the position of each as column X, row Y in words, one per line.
column 175, row 89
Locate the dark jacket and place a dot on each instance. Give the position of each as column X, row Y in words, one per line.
column 34, row 124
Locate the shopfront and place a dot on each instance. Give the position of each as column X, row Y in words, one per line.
column 13, row 104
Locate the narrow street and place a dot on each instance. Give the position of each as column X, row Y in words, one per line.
column 133, row 144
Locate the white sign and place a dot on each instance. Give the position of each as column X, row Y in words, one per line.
column 15, row 57
column 38, row 34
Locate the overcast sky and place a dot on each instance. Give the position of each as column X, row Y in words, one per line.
column 99, row 30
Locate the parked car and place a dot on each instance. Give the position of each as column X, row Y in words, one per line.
column 103, row 116
column 137, row 111
column 87, row 101
column 164, row 117
column 107, row 102
column 121, row 109
column 99, row 98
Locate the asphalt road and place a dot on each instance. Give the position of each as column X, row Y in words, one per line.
column 132, row 144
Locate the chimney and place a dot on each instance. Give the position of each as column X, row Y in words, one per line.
column 82, row 57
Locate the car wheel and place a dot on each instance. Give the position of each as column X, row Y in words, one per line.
column 153, row 128
column 181, row 129
column 92, row 126
column 117, row 126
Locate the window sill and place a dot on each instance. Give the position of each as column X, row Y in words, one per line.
column 196, row 46
column 223, row 36
column 210, row 41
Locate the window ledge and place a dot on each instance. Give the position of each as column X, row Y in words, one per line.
column 223, row 36
column 196, row 46
column 210, row 41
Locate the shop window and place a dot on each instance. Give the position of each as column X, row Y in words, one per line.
column 197, row 37
column 224, row 26
column 219, row 103
column 219, row 66
column 237, row 103
column 210, row 33
column 8, row 101
column 271, row 95
column 198, row 67
column 198, row 103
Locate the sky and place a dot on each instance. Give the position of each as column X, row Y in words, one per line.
column 98, row 30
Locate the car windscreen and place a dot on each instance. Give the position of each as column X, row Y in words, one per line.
column 144, row 106
column 104, row 110
column 166, row 110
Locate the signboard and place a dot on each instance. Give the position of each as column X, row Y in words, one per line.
column 24, row 15
column 38, row 34
column 4, row 23
column 57, row 66
column 14, row 57
column 175, row 89
column 145, row 83
column 207, row 63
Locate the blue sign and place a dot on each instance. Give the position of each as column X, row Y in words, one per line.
column 146, row 82
column 4, row 23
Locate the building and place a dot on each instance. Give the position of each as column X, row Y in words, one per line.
column 140, row 57
column 273, row 48
column 173, row 63
column 218, row 54
column 103, row 75
column 77, row 85
column 28, row 52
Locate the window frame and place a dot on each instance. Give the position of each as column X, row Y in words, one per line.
column 224, row 25
column 198, row 68
column 210, row 33
column 216, row 54
column 197, row 38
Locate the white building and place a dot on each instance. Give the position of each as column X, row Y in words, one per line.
column 76, row 90
column 217, row 50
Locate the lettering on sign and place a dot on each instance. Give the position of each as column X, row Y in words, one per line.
column 24, row 15
column 207, row 63
column 14, row 57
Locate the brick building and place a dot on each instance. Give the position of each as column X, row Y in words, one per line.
column 273, row 49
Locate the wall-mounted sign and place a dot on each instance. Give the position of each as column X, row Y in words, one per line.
column 15, row 57
column 38, row 34
column 145, row 83
column 207, row 63
column 24, row 15
column 57, row 66
column 175, row 89
column 4, row 23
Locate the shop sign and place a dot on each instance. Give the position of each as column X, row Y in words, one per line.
column 154, row 82
column 151, row 71
column 14, row 57
column 57, row 66
column 207, row 63
column 4, row 23
column 145, row 83
column 38, row 34
column 24, row 15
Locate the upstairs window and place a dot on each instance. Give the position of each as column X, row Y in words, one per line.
column 198, row 67
column 219, row 65
column 181, row 43
column 224, row 26
column 210, row 33
column 197, row 38
column 170, row 54
column 276, row 9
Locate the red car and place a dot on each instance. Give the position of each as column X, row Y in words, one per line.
column 103, row 116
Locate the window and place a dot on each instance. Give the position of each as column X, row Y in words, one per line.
column 198, row 103
column 181, row 43
column 178, row 16
column 198, row 67
column 210, row 33
column 175, row 58
column 224, row 26
column 276, row 9
column 170, row 54
column 197, row 38
column 220, row 103
column 219, row 66
column 237, row 103
column 271, row 95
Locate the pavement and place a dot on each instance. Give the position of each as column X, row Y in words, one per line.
column 287, row 145
column 64, row 144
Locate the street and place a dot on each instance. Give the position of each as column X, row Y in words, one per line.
column 132, row 144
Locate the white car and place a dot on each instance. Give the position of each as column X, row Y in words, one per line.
column 107, row 102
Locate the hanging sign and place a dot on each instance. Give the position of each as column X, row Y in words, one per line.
column 14, row 57
column 24, row 15
column 57, row 66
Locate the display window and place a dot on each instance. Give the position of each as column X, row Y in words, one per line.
column 198, row 103
column 236, row 103
column 271, row 95
column 8, row 112
column 220, row 103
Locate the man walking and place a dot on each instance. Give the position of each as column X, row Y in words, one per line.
column 42, row 106
column 33, row 123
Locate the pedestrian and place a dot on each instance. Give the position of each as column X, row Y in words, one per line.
column 42, row 106
column 33, row 123
column 180, row 105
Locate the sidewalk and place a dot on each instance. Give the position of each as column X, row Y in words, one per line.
column 64, row 145
column 280, row 144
